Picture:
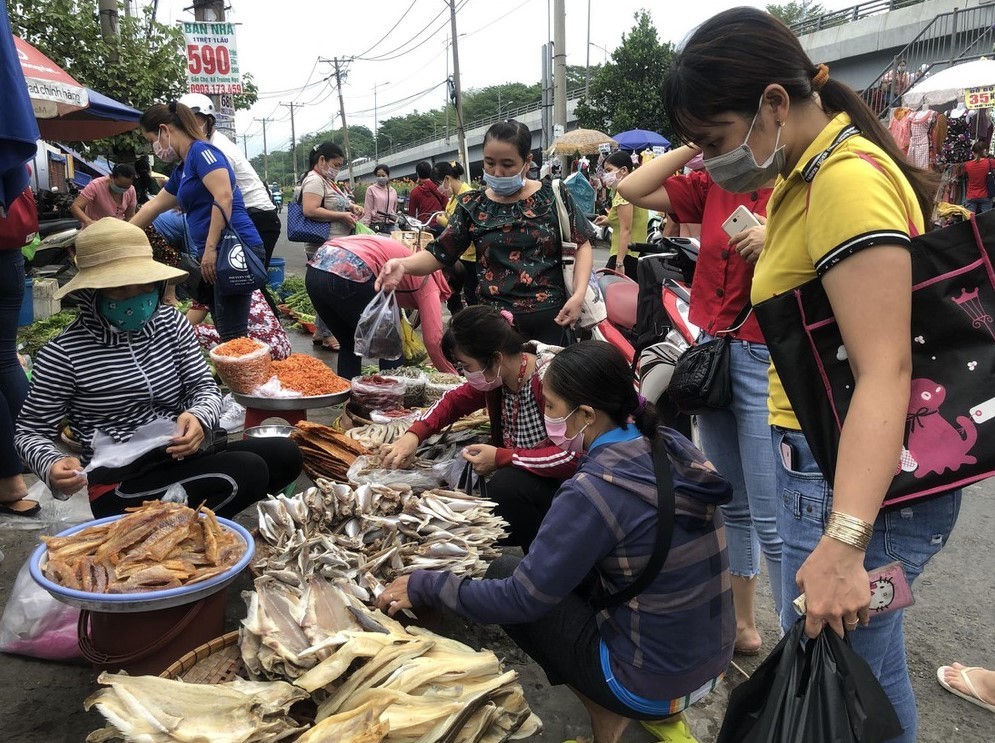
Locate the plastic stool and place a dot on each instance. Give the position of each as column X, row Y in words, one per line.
column 255, row 416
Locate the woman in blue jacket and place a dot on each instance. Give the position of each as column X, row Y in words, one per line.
column 636, row 659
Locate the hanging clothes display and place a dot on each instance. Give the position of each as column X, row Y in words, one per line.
column 957, row 144
column 901, row 128
column 919, row 144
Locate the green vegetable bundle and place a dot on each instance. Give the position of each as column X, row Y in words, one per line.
column 32, row 337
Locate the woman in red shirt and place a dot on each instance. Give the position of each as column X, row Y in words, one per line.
column 978, row 200
column 736, row 439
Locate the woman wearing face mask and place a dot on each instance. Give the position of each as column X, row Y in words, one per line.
column 514, row 225
column 462, row 277
column 504, row 376
column 381, row 199
column 746, row 92
column 203, row 186
column 633, row 660
column 126, row 361
column 736, row 439
column 628, row 221
column 323, row 200
column 108, row 196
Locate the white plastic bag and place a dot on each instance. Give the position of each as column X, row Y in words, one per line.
column 420, row 480
column 378, row 333
column 36, row 625
column 111, row 454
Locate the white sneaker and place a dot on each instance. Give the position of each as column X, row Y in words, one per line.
column 232, row 415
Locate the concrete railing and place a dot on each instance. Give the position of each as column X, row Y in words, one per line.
column 846, row 15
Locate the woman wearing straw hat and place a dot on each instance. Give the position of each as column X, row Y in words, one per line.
column 126, row 361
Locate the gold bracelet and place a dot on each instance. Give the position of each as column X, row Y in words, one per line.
column 849, row 530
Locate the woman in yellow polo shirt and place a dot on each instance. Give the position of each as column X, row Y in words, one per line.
column 462, row 278
column 744, row 90
column 628, row 221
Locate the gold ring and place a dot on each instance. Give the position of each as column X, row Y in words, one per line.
column 854, row 623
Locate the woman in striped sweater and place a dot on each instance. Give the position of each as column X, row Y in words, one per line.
column 647, row 658
column 126, row 361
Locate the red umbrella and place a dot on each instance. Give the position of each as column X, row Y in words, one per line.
column 52, row 90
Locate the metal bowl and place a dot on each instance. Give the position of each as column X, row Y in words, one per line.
column 269, row 432
column 291, row 403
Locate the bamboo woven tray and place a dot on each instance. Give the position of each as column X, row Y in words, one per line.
column 212, row 663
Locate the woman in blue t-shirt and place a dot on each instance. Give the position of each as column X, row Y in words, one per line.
column 201, row 179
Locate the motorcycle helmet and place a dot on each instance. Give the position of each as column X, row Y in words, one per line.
column 198, row 103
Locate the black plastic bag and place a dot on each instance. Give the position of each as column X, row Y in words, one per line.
column 822, row 692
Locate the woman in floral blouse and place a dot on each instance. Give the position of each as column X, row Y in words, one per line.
column 514, row 225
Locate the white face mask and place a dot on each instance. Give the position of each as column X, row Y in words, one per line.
column 166, row 154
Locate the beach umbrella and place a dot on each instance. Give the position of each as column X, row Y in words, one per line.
column 18, row 128
column 640, row 139
column 584, row 141
column 950, row 84
column 103, row 117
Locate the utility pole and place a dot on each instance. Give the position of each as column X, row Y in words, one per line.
column 448, row 104
column 109, row 28
column 560, row 71
column 340, row 75
column 293, row 135
column 460, row 130
column 266, row 154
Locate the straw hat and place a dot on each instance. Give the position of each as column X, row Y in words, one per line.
column 112, row 253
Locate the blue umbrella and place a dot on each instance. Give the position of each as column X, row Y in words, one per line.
column 103, row 117
column 18, row 128
column 640, row 139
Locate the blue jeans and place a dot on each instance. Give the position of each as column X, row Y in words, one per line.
column 13, row 382
column 737, row 441
column 978, row 206
column 910, row 534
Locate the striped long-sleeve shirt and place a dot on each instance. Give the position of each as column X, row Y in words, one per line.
column 102, row 379
column 675, row 636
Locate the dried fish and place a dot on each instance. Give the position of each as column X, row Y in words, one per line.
column 157, row 710
column 154, row 547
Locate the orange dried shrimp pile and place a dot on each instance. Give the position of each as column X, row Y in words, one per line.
column 238, row 347
column 308, row 375
column 243, row 364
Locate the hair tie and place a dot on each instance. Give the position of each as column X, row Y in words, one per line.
column 640, row 406
column 172, row 107
column 508, row 316
column 821, row 77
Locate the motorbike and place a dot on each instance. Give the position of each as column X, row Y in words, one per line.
column 277, row 198
column 648, row 320
column 57, row 230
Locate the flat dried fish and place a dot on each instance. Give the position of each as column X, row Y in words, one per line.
column 154, row 547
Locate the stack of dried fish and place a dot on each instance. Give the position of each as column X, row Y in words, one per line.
column 326, row 452
column 157, row 710
column 368, row 535
column 156, row 546
column 463, row 431
column 373, row 679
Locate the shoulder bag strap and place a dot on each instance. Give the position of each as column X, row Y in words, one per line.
column 562, row 215
column 665, row 508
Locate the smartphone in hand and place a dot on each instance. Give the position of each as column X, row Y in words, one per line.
column 741, row 219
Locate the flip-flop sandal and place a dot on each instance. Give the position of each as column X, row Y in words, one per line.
column 670, row 731
column 332, row 344
column 6, row 508
column 973, row 697
column 317, row 341
column 748, row 652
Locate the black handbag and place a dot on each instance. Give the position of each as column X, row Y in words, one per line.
column 990, row 180
column 953, row 362
column 702, row 378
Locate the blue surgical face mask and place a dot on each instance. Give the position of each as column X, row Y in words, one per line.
column 119, row 189
column 505, row 185
column 129, row 314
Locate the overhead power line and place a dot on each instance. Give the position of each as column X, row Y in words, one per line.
column 393, row 53
column 389, row 32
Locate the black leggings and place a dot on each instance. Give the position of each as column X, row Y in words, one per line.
column 523, row 499
column 540, row 326
column 268, row 226
column 566, row 643
column 228, row 481
column 629, row 265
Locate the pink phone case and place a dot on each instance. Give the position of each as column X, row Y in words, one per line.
column 890, row 590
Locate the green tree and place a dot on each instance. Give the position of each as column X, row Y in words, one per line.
column 144, row 65
column 796, row 11
column 625, row 93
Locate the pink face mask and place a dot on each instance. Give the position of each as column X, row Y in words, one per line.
column 556, row 429
column 478, row 381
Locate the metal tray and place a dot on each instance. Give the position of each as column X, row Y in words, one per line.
column 291, row 403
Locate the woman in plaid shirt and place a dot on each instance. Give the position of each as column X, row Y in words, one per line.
column 504, row 375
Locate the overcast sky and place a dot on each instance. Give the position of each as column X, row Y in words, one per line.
column 280, row 42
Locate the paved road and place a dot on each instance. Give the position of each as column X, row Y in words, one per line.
column 954, row 619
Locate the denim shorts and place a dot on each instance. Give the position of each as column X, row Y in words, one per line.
column 910, row 534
